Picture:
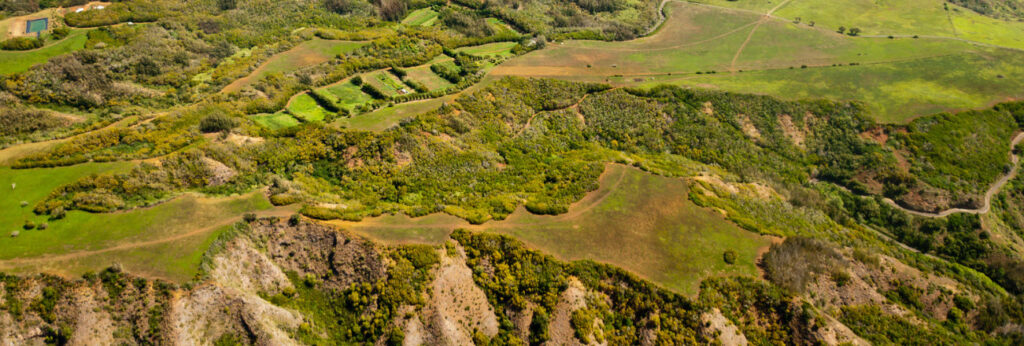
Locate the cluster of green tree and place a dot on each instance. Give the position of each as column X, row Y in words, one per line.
column 764, row 313
column 937, row 145
column 17, row 8
column 363, row 312
column 119, row 12
column 160, row 136
column 468, row 23
column 22, row 43
column 521, row 280
column 798, row 261
column 879, row 327
column 146, row 184
column 606, row 20
column 993, row 8
column 451, row 73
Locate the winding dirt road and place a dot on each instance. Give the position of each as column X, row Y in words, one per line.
column 992, row 190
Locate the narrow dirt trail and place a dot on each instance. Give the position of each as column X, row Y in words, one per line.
column 574, row 105
column 764, row 19
column 661, row 18
column 992, row 190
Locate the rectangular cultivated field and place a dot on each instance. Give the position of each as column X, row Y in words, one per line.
column 499, row 26
column 638, row 221
column 275, row 121
column 423, row 75
column 387, row 83
column 421, row 17
column 348, row 95
column 502, row 49
column 305, row 108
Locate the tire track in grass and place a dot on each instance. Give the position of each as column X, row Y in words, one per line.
column 764, row 19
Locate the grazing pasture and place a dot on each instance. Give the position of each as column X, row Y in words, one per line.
column 894, row 92
column 165, row 240
column 639, row 221
column 738, row 50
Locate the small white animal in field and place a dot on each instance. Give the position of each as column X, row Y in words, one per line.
column 14, row 185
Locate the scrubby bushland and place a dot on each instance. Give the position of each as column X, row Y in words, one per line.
column 20, row 122
column 797, row 261
column 538, row 279
column 994, row 8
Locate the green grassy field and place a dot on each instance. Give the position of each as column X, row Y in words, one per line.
column 908, row 17
column 893, row 92
column 503, row 49
column 18, row 61
column 639, row 221
column 305, row 107
column 386, row 117
column 421, row 17
column 90, row 242
column 165, row 241
column 307, row 53
column 499, row 26
column 348, row 95
column 423, row 75
column 275, row 121
column 899, row 78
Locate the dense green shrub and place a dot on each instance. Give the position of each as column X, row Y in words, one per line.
column 21, row 43
column 217, row 122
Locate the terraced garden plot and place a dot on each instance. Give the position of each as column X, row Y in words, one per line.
column 500, row 26
column 275, row 121
column 347, row 95
column 305, row 108
column 387, row 83
column 502, row 49
column 421, row 17
column 423, row 75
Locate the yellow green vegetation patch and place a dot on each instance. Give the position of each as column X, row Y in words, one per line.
column 638, row 221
